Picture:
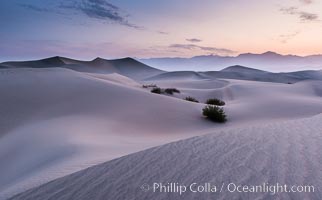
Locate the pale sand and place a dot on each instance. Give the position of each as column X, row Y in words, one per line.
column 56, row 121
column 284, row 153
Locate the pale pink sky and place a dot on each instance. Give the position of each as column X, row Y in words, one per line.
column 168, row 28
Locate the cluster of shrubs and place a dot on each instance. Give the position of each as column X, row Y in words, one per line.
column 169, row 91
column 156, row 90
column 191, row 99
column 213, row 111
column 216, row 102
column 149, row 86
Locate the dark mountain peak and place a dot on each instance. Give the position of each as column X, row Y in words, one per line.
column 239, row 68
column 266, row 54
column 53, row 60
column 127, row 59
column 271, row 53
column 99, row 59
column 246, row 54
column 128, row 62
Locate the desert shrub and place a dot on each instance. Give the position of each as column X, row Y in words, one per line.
column 214, row 113
column 156, row 90
column 171, row 91
column 191, row 99
column 149, row 86
column 216, row 102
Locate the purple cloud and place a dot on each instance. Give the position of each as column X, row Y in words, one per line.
column 304, row 16
column 95, row 9
column 194, row 40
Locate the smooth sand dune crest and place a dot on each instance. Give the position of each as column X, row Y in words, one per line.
column 284, row 153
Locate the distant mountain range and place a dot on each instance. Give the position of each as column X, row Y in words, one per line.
column 269, row 61
column 136, row 70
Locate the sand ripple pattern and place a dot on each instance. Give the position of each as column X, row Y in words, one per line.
column 286, row 152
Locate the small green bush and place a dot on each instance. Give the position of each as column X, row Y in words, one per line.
column 215, row 113
column 216, row 102
column 191, row 99
column 156, row 90
column 171, row 91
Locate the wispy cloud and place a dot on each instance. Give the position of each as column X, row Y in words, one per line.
column 304, row 16
column 194, row 40
column 95, row 9
column 35, row 8
column 284, row 38
column 99, row 9
column 214, row 50
column 163, row 32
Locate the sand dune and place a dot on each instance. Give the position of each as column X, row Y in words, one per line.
column 43, row 63
column 251, row 100
column 63, row 121
column 182, row 75
column 245, row 73
column 126, row 66
column 241, row 73
column 3, row 67
column 58, row 120
column 139, row 71
column 239, row 68
column 116, row 78
column 284, row 153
